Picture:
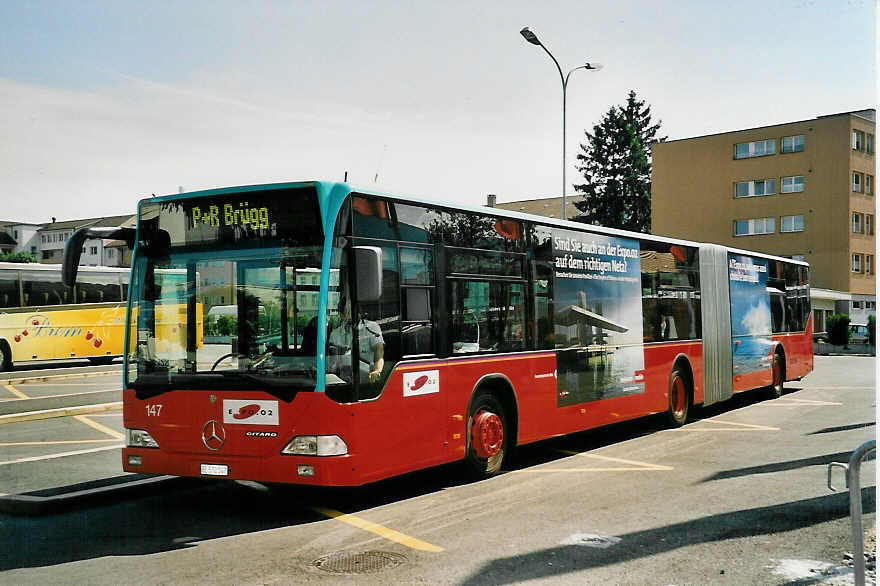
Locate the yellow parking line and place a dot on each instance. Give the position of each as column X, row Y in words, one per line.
column 639, row 465
column 55, row 442
column 80, row 394
column 102, row 428
column 734, row 426
column 389, row 534
column 609, row 469
column 633, row 465
column 792, row 402
column 60, row 455
column 63, row 412
column 15, row 391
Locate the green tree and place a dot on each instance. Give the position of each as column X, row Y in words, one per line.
column 17, row 257
column 838, row 329
column 615, row 161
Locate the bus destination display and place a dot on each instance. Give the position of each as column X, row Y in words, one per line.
column 241, row 217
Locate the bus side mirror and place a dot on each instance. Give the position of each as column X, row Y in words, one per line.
column 73, row 248
column 368, row 268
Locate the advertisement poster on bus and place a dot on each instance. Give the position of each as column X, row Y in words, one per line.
column 749, row 320
column 598, row 321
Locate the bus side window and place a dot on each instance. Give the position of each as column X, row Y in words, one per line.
column 486, row 316
column 9, row 293
column 386, row 314
column 43, row 288
column 670, row 292
column 417, row 294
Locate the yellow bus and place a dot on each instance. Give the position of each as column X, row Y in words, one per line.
column 42, row 319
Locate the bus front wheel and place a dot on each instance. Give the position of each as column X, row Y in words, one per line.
column 487, row 436
column 5, row 356
column 679, row 401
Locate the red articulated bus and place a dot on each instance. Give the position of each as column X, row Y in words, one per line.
column 350, row 336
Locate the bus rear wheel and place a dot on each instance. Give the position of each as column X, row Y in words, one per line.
column 679, row 399
column 487, row 436
column 776, row 387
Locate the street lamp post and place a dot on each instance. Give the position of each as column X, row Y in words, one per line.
column 533, row 39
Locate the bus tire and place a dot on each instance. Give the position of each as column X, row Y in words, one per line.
column 5, row 356
column 776, row 387
column 488, row 436
column 679, row 397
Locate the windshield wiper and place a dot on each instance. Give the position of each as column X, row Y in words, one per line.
column 284, row 388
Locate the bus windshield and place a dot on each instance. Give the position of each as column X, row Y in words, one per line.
column 235, row 312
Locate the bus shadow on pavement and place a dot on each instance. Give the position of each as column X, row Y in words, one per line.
column 558, row 561
column 168, row 520
column 177, row 518
column 180, row 517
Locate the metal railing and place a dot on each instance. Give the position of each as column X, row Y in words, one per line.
column 855, row 504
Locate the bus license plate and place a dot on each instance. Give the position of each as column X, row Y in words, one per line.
column 215, row 469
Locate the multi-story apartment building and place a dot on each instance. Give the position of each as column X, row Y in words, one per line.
column 801, row 189
column 54, row 235
column 19, row 237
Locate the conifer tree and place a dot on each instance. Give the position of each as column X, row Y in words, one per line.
column 615, row 161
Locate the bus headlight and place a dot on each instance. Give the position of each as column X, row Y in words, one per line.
column 138, row 438
column 316, row 445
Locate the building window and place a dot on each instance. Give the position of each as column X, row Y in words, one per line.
column 793, row 144
column 869, row 184
column 869, row 264
column 870, row 305
column 792, row 224
column 858, row 140
column 869, row 144
column 33, row 250
column 856, row 262
column 755, row 188
column 754, row 226
column 857, row 182
column 15, row 234
column 793, row 184
column 758, row 148
column 47, row 254
column 857, row 223
column 869, row 223
column 857, row 304
column 93, row 250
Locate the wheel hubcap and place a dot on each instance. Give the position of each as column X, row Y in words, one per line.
column 487, row 434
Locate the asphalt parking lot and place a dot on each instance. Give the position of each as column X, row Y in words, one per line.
column 738, row 496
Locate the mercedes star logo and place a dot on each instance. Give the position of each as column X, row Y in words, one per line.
column 213, row 435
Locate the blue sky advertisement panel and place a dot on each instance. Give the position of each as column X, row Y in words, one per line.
column 598, row 319
column 749, row 315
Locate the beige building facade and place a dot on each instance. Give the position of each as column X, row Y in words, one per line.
column 802, row 189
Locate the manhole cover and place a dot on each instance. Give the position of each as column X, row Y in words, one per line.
column 359, row 562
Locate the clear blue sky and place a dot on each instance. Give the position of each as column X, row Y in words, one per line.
column 103, row 103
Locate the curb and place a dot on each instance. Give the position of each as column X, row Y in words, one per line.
column 32, row 504
column 62, row 412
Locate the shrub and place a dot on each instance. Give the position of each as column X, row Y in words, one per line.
column 838, row 329
column 17, row 257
